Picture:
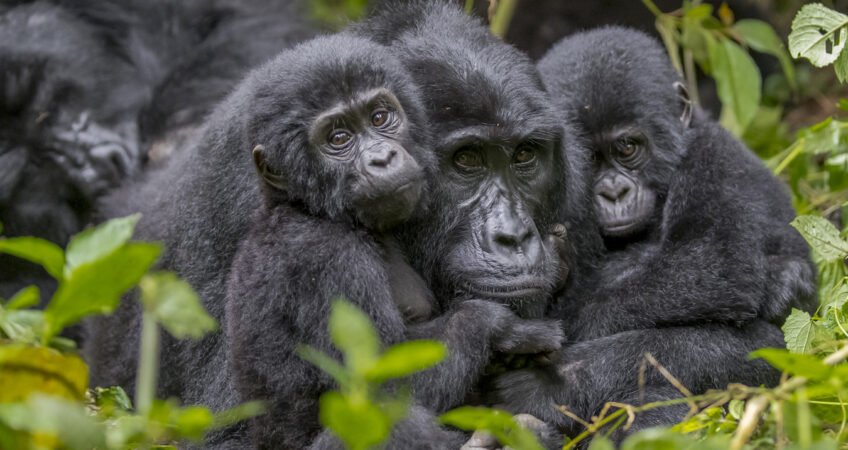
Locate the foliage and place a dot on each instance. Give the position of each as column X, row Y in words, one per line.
column 43, row 398
column 693, row 35
column 365, row 408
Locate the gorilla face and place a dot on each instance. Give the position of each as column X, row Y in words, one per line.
column 67, row 132
column 344, row 143
column 498, row 152
column 623, row 201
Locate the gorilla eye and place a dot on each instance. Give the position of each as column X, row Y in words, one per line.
column 380, row 118
column 524, row 154
column 467, row 158
column 627, row 147
column 339, row 138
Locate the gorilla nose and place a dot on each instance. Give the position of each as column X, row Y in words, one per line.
column 613, row 193
column 512, row 236
column 382, row 157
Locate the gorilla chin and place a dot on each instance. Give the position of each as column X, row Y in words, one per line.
column 391, row 208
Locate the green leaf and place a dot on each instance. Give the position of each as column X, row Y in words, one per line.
column 843, row 104
column 97, row 242
column 175, row 306
column 818, row 34
column 69, row 421
column 738, row 84
column 601, row 443
column 359, row 425
column 761, row 37
column 40, row 251
column 736, row 408
column 193, row 422
column 114, row 397
column 96, row 288
column 841, row 66
column 822, row 236
column 406, row 358
column 499, row 423
column 24, row 298
column 794, row 363
column 237, row 414
column 802, row 334
column 325, row 363
column 353, row 334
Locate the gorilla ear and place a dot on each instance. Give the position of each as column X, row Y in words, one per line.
column 686, row 102
column 274, row 179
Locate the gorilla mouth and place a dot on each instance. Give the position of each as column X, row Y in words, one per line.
column 505, row 292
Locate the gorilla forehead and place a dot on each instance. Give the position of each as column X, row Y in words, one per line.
column 467, row 75
column 612, row 75
column 304, row 81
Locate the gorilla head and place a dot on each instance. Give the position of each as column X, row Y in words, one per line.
column 497, row 150
column 619, row 99
column 67, row 123
column 336, row 130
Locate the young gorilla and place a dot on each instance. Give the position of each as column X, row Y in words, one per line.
column 699, row 255
column 696, row 228
column 337, row 172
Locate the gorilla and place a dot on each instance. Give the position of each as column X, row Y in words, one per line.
column 80, row 78
column 342, row 159
column 699, row 262
column 483, row 246
column 68, row 128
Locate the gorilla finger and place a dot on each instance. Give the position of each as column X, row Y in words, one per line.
column 530, row 336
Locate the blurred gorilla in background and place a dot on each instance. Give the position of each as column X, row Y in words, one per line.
column 699, row 259
column 77, row 77
column 68, row 128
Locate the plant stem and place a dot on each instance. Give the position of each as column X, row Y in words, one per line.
column 469, row 7
column 691, row 81
column 500, row 23
column 148, row 364
column 652, row 7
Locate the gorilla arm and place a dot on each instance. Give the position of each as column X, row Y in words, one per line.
column 591, row 373
column 723, row 215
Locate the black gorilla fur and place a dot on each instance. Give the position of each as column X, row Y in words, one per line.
column 200, row 203
column 699, row 285
column 305, row 246
column 77, row 78
column 68, row 109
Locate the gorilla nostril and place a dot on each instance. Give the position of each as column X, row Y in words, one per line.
column 506, row 240
column 622, row 192
column 384, row 158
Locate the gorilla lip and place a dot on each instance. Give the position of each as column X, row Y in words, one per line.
column 504, row 292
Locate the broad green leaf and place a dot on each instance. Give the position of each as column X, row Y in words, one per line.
column 794, row 363
column 761, row 37
column 40, row 251
column 24, row 298
column 823, row 137
column 499, row 423
column 360, row 426
column 69, row 421
column 699, row 12
column 802, row 334
column 24, row 325
column 325, row 363
column 601, row 443
column 175, row 305
column 97, row 242
column 841, row 66
column 843, row 104
column 406, row 358
column 736, row 408
column 822, row 236
column 114, row 397
column 664, row 438
column 738, row 84
column 818, row 34
column 353, row 334
column 27, row 369
column 193, row 422
column 237, row 414
column 96, row 288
